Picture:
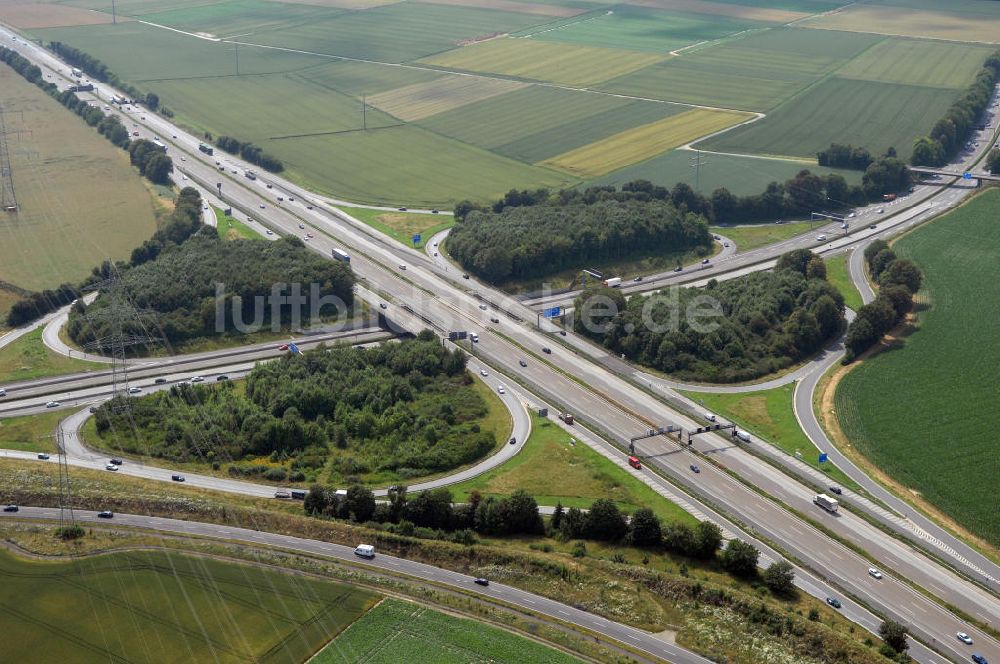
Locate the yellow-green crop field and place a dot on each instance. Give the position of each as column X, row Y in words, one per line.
column 421, row 100
column 643, row 142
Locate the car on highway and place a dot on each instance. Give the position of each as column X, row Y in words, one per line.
column 964, row 638
column 383, row 305
column 51, row 404
column 302, row 225
column 725, row 244
column 705, row 261
column 135, row 133
column 512, row 441
column 836, row 489
column 402, row 267
column 522, row 363
column 110, row 466
column 159, row 381
column 106, row 514
column 3, row 392
column 821, row 238
column 43, row 456
column 402, row 209
column 678, row 269
column 10, row 508
column 979, row 659
column 637, row 279
column 483, row 307
column 116, row 461
column 309, row 207
column 834, row 602
column 494, row 319
column 635, row 463
column 305, row 238
column 310, row 235
column 177, row 478
column 501, row 389
column 268, row 232
column 483, row 373
column 134, row 390
column 881, row 210
column 465, row 275
column 92, row 409
column 291, row 198
column 481, row 582
column 198, row 379
column 874, row 573
column 221, row 378
column 694, row 468
column 283, row 347
column 546, row 350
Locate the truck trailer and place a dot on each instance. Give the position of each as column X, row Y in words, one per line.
column 826, row 502
column 613, row 282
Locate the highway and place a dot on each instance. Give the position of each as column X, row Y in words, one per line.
column 577, row 379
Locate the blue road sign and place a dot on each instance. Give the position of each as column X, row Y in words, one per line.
column 416, row 238
column 293, row 349
column 967, row 175
column 822, row 457
column 551, row 313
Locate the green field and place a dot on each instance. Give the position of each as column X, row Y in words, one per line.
column 740, row 175
column 402, row 226
column 28, row 358
column 761, row 235
column 30, row 433
column 160, row 607
column 398, row 631
column 79, row 200
column 875, row 115
column 922, row 411
column 837, row 274
column 754, row 73
column 553, row 471
column 769, row 414
column 916, row 62
column 238, row 17
column 640, row 29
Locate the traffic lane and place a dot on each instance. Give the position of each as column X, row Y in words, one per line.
column 629, row 636
column 174, row 366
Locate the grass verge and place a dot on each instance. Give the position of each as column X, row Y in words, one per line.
column 28, row 358
column 231, row 228
column 761, row 235
column 30, row 433
column 402, row 226
column 837, row 274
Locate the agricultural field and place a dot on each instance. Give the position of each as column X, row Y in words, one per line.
column 236, row 17
column 80, row 202
column 958, row 21
column 755, row 73
column 769, row 11
column 740, row 174
column 158, row 606
column 639, row 29
column 30, row 16
column 401, row 631
column 531, row 59
column 643, row 142
column 421, row 100
column 875, row 115
column 555, row 471
column 945, row 450
column 916, row 62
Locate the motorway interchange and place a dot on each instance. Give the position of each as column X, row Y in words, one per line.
column 614, row 404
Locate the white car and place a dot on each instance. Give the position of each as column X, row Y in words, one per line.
column 261, row 206
column 134, row 390
column 3, row 392
column 402, row 267
column 821, row 238
column 874, row 573
column 198, row 379
column 964, row 638
column 52, row 404
column 483, row 373
column 501, row 389
column 269, row 232
column 112, row 467
column 881, row 210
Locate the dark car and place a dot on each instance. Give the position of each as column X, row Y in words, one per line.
column 481, row 582
column 547, row 350
column 637, row 279
column 522, row 363
column 872, row 227
column 159, row 381
column 10, row 508
column 402, row 209
column 106, row 514
column 837, row 490
column 434, row 211
column 92, row 409
column 116, row 461
column 177, row 478
column 979, row 659
column 512, row 441
column 833, row 601
column 465, row 276
column 678, row 269
column 562, row 333
column 222, row 377
column 43, row 456
column 695, row 468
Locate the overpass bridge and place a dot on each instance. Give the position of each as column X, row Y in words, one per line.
column 965, row 175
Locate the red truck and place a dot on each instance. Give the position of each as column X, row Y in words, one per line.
column 888, row 197
column 566, row 417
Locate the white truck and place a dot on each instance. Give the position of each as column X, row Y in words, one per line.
column 743, row 435
column 613, row 282
column 826, row 502
column 365, row 551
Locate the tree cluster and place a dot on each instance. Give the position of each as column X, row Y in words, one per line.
column 93, row 67
column 250, row 152
column 845, row 156
column 899, row 279
column 954, row 129
column 38, row 304
column 730, row 331
column 152, row 161
column 522, row 242
column 397, row 410
column 183, row 222
column 178, row 288
column 993, row 161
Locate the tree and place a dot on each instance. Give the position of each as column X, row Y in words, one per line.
column 860, row 337
column 740, row 558
column 927, row 152
column 605, row 522
column 797, row 259
column 816, row 268
column 557, row 516
column 315, row 501
column 828, row 316
column 901, row 272
column 873, row 249
column 780, row 577
column 993, row 161
column 644, row 528
column 881, row 261
column 522, row 514
column 679, row 538
column 899, row 297
column 707, row 540
column 158, row 168
column 397, row 503
column 430, row 509
column 894, row 635
column 573, row 523
column 152, row 101
column 880, row 314
column 359, row 503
